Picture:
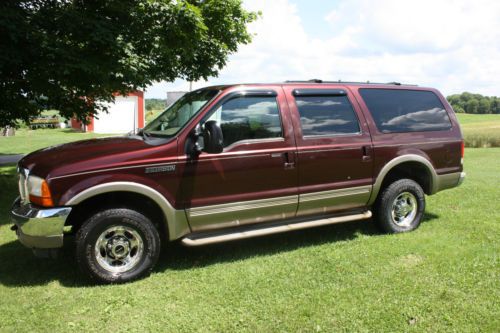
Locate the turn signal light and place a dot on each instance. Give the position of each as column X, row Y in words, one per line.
column 45, row 198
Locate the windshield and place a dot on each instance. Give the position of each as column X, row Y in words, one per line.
column 170, row 121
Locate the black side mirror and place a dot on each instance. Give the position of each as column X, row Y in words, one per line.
column 195, row 143
column 212, row 138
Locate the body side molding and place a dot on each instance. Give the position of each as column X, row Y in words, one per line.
column 176, row 219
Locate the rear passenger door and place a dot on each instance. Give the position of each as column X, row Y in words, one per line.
column 334, row 150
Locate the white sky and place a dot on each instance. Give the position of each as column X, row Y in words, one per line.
column 450, row 45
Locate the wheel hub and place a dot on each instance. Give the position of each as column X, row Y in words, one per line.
column 404, row 209
column 119, row 249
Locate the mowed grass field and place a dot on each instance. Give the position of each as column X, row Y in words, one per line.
column 480, row 130
column 27, row 140
column 444, row 277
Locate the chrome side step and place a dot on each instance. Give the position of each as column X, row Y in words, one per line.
column 272, row 230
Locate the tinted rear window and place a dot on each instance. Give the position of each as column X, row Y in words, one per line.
column 326, row 115
column 406, row 110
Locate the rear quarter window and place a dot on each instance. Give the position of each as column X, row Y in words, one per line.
column 395, row 110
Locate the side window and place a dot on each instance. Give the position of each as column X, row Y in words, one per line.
column 397, row 110
column 326, row 115
column 248, row 118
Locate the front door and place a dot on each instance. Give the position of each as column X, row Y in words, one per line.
column 254, row 179
column 334, row 150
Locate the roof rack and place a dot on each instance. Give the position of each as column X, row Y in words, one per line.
column 305, row 81
column 347, row 82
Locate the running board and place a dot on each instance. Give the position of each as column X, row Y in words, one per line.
column 235, row 235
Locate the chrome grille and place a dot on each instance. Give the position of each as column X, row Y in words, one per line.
column 23, row 185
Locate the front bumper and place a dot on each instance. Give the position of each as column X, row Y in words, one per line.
column 39, row 228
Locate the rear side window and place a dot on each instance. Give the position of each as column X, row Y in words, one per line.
column 326, row 115
column 406, row 110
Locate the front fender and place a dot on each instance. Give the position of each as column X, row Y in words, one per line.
column 176, row 219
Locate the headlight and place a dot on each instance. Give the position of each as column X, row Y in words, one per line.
column 39, row 192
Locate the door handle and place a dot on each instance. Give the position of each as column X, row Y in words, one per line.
column 289, row 163
column 367, row 153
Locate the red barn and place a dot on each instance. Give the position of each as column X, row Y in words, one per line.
column 125, row 115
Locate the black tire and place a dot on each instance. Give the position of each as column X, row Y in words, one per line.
column 400, row 196
column 127, row 230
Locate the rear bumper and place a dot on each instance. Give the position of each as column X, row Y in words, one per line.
column 449, row 180
column 39, row 228
column 462, row 178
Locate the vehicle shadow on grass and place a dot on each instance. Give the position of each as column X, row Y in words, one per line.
column 18, row 266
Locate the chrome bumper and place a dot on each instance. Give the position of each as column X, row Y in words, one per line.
column 39, row 228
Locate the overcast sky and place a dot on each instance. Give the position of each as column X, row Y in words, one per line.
column 450, row 45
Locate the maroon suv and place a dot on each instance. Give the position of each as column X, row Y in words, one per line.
column 232, row 162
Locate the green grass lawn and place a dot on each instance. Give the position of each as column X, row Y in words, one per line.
column 480, row 130
column 445, row 276
column 27, row 140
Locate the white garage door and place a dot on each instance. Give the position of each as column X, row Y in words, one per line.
column 120, row 117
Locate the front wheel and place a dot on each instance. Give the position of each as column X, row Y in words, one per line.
column 400, row 207
column 117, row 245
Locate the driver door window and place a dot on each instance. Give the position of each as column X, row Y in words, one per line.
column 248, row 118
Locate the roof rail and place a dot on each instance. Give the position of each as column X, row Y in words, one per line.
column 348, row 82
column 305, row 81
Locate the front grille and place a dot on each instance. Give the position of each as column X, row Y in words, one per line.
column 23, row 185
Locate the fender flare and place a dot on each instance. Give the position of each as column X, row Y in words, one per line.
column 176, row 219
column 397, row 161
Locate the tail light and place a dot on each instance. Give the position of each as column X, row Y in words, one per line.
column 462, row 152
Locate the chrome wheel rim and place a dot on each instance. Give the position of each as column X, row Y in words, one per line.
column 119, row 249
column 404, row 209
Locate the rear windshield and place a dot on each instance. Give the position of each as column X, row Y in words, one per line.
column 395, row 110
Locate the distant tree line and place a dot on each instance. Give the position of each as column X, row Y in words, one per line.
column 474, row 103
column 155, row 104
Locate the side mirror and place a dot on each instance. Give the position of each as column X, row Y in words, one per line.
column 195, row 143
column 212, row 138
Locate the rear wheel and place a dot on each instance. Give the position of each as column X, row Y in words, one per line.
column 117, row 245
column 400, row 206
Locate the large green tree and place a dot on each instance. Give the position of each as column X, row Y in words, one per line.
column 70, row 54
column 474, row 103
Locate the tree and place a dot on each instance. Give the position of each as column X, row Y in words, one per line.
column 70, row 55
column 466, row 96
column 484, row 105
column 474, row 103
column 458, row 109
column 495, row 105
column 471, row 106
column 155, row 104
